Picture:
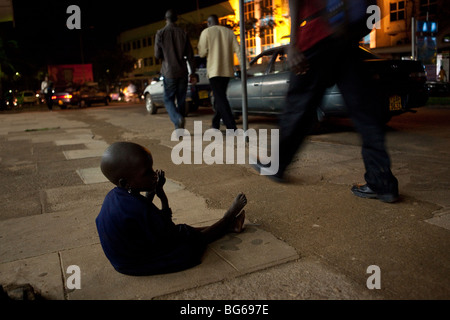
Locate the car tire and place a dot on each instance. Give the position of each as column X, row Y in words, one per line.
column 149, row 105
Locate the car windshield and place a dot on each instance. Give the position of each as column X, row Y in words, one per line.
column 259, row 66
column 280, row 64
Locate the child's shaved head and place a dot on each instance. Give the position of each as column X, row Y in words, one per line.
column 121, row 160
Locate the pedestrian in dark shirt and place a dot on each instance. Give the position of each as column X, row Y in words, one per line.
column 324, row 51
column 137, row 237
column 172, row 45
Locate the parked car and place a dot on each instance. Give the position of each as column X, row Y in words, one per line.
column 83, row 96
column 198, row 92
column 402, row 83
column 27, row 97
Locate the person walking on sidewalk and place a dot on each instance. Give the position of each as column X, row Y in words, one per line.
column 137, row 237
column 47, row 90
column 219, row 44
column 172, row 45
column 315, row 33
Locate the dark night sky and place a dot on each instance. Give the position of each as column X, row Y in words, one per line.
column 40, row 25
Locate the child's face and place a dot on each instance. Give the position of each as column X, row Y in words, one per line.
column 144, row 178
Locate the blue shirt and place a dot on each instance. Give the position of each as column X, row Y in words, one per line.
column 140, row 239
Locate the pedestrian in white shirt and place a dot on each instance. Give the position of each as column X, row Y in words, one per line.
column 219, row 44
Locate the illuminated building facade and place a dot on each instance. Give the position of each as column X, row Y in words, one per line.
column 268, row 25
column 268, row 22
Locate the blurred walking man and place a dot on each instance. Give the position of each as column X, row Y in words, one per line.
column 323, row 51
column 218, row 44
column 172, row 46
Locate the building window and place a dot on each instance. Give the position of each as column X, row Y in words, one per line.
column 428, row 7
column 266, row 38
column 126, row 47
column 250, row 41
column 144, row 42
column 249, row 10
column 149, row 41
column 250, row 35
column 397, row 10
column 266, row 8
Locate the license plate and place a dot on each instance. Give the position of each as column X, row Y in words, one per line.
column 203, row 94
column 395, row 103
column 60, row 102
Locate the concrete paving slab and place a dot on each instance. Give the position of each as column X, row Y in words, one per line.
column 99, row 280
column 36, row 235
column 252, row 250
column 43, row 273
column 92, row 175
column 79, row 140
column 67, row 198
column 235, row 255
column 303, row 279
column 28, row 121
column 80, row 154
column 442, row 221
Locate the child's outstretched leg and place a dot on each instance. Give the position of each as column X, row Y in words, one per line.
column 238, row 224
column 232, row 221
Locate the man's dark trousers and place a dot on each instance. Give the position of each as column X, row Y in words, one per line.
column 222, row 106
column 331, row 62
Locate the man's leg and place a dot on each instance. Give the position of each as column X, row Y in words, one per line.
column 170, row 91
column 181, row 96
column 219, row 87
column 299, row 115
column 364, row 108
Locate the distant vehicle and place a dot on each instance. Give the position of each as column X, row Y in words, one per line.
column 198, row 92
column 8, row 101
column 438, row 88
column 83, row 96
column 27, row 97
column 400, row 82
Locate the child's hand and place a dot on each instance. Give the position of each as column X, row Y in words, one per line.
column 161, row 179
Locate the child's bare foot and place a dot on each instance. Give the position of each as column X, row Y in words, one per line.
column 238, row 224
column 238, row 204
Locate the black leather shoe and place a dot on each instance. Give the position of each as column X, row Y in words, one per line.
column 364, row 191
column 277, row 177
column 181, row 123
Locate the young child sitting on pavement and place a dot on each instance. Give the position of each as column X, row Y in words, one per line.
column 137, row 237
